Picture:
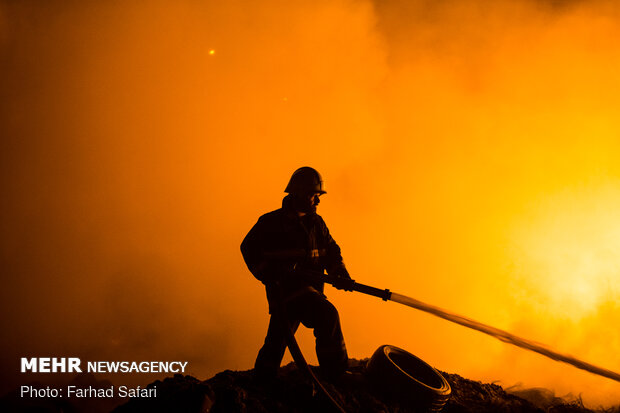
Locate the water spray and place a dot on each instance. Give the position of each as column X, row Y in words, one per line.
column 499, row 334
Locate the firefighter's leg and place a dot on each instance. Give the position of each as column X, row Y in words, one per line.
column 271, row 354
column 321, row 315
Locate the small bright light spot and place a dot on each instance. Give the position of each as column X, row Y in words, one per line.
column 211, row 52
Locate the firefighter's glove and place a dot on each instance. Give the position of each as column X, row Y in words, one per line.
column 342, row 280
column 342, row 283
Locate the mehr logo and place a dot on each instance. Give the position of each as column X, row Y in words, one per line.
column 51, row 365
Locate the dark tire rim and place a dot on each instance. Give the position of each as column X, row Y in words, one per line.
column 404, row 377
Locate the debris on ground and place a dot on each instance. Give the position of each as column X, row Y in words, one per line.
column 240, row 392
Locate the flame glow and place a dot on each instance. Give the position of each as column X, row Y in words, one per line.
column 469, row 148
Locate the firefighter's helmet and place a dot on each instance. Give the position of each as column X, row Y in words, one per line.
column 305, row 180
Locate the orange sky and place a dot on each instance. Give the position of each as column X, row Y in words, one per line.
column 470, row 153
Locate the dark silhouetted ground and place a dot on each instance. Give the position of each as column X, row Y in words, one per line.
column 232, row 392
column 239, row 392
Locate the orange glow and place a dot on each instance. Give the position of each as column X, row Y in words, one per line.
column 569, row 243
column 469, row 150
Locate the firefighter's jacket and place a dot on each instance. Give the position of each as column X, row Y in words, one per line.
column 282, row 240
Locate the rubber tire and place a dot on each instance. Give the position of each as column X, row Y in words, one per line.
column 405, row 378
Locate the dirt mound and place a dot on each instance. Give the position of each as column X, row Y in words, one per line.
column 238, row 391
column 241, row 392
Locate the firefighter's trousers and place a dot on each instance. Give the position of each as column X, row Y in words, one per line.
column 314, row 311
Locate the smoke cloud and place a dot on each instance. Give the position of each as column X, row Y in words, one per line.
column 469, row 152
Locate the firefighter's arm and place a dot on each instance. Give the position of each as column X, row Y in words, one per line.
column 267, row 266
column 253, row 252
column 335, row 264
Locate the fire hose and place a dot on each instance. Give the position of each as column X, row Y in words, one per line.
column 387, row 295
column 501, row 335
column 293, row 347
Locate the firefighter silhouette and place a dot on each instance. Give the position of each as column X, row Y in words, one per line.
column 281, row 243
